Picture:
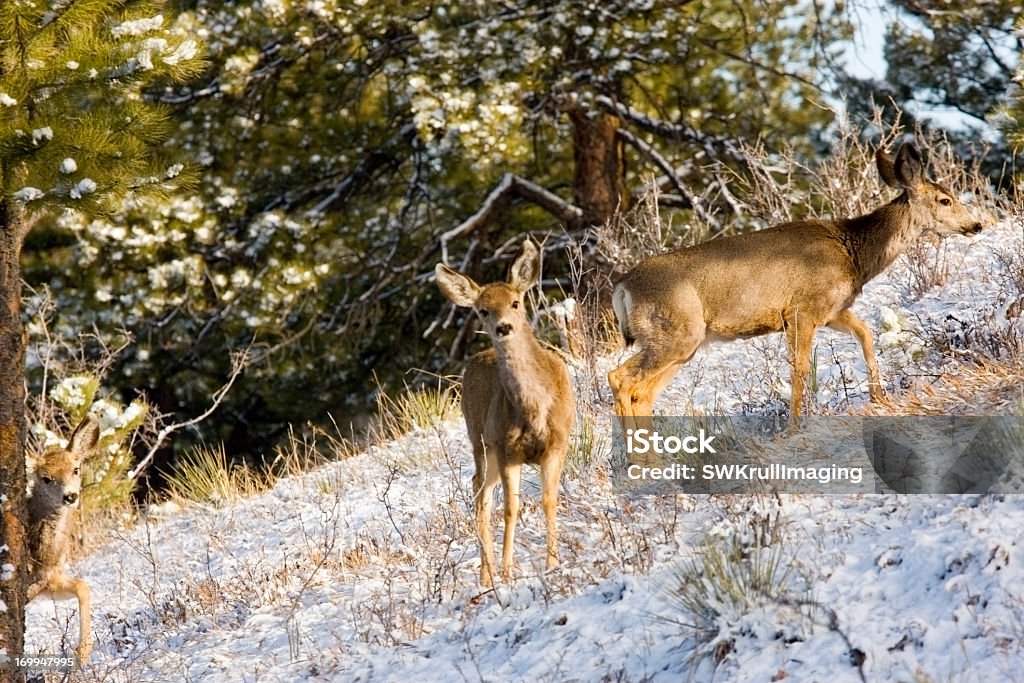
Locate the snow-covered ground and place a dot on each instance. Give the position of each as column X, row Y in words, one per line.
column 366, row 569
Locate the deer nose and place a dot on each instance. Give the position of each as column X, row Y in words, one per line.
column 70, row 498
column 503, row 329
column 974, row 229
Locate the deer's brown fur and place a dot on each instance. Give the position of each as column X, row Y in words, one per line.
column 517, row 400
column 791, row 278
column 56, row 494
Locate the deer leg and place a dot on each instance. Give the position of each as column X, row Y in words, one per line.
column 639, row 381
column 64, row 587
column 510, row 482
column 799, row 337
column 846, row 321
column 653, row 384
column 621, row 382
column 84, row 619
column 484, row 480
column 34, row 590
column 550, row 473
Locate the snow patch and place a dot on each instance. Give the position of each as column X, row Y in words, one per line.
column 85, row 186
column 185, row 51
column 41, row 135
column 138, row 27
column 28, row 194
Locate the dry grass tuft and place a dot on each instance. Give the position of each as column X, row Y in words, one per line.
column 986, row 388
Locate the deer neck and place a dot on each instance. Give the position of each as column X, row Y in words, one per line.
column 878, row 238
column 48, row 521
column 41, row 510
column 521, row 369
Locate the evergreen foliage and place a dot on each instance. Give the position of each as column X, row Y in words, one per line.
column 950, row 61
column 75, row 132
column 77, row 138
column 1013, row 122
column 338, row 142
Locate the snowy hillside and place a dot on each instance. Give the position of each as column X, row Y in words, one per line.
column 366, row 569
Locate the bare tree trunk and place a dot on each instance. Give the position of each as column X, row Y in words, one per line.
column 13, row 549
column 599, row 189
column 599, row 184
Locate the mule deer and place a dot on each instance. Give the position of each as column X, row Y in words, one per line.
column 56, row 494
column 793, row 278
column 517, row 400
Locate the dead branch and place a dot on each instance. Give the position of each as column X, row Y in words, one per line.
column 714, row 146
column 240, row 360
column 510, row 185
column 661, row 162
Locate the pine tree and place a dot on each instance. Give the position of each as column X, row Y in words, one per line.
column 77, row 134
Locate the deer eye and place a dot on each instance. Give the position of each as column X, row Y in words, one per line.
column 515, row 304
column 946, row 201
column 77, row 471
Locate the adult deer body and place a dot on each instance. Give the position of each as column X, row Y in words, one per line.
column 792, row 278
column 56, row 494
column 518, row 404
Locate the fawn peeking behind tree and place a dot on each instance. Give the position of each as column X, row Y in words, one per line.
column 76, row 135
column 56, row 494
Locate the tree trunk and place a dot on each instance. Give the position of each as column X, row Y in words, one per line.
column 13, row 510
column 599, row 185
column 599, row 189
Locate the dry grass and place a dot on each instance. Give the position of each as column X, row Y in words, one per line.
column 985, row 388
column 424, row 408
column 206, row 475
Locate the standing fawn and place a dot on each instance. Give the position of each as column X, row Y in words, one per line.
column 792, row 278
column 517, row 400
column 56, row 493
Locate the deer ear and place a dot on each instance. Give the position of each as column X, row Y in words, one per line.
column 460, row 289
column 525, row 271
column 85, row 437
column 908, row 167
column 885, row 168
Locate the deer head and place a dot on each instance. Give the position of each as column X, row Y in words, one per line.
column 933, row 205
column 499, row 305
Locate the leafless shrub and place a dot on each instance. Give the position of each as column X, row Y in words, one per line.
column 743, row 567
column 782, row 187
column 982, row 336
column 1011, row 260
column 643, row 231
column 929, row 264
